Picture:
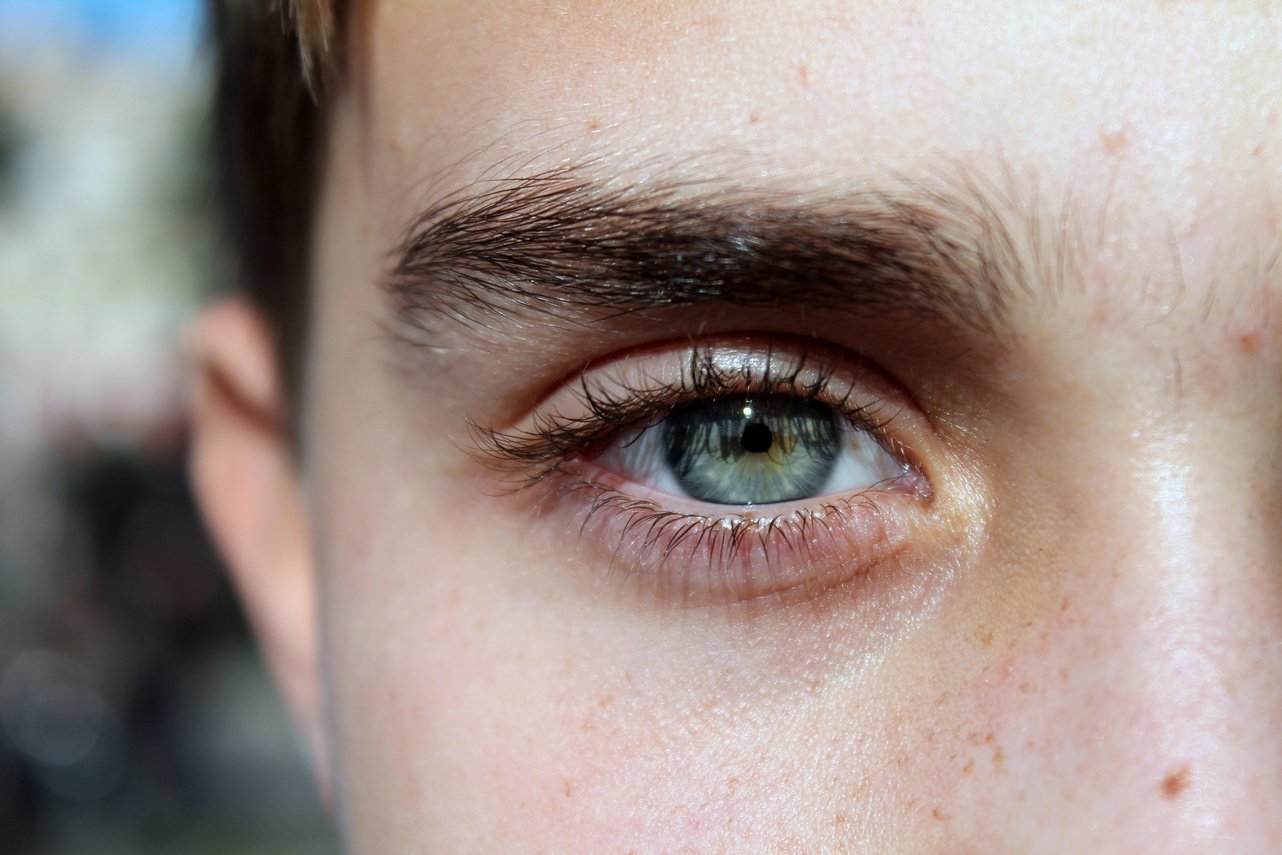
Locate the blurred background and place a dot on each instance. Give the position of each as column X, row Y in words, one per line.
column 135, row 715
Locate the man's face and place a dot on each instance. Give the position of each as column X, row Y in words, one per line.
column 800, row 426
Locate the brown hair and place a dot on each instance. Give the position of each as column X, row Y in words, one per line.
column 271, row 65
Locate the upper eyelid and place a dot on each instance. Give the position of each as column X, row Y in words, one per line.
column 604, row 406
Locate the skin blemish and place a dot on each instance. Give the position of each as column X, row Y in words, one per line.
column 1247, row 341
column 1113, row 139
column 1175, row 783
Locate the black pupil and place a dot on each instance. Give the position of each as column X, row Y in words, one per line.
column 757, row 438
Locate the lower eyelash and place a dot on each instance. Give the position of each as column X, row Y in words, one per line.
column 695, row 558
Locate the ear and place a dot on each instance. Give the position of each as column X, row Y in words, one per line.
column 246, row 481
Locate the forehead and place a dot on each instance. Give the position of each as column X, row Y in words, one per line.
column 1150, row 130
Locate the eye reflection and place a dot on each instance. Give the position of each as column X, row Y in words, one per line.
column 751, row 450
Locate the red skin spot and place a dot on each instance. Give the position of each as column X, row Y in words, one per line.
column 1113, row 139
column 1174, row 784
column 1248, row 343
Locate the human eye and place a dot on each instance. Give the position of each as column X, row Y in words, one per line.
column 732, row 470
column 751, row 449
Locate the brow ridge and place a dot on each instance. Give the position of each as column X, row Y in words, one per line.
column 566, row 245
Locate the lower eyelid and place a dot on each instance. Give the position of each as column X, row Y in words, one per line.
column 777, row 553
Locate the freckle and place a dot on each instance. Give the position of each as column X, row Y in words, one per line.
column 840, row 819
column 753, row 118
column 969, row 767
column 938, row 814
column 1063, row 674
column 1113, row 139
column 1175, row 783
column 605, row 701
column 803, row 71
column 1063, row 606
column 593, row 126
column 567, row 788
column 986, row 638
column 999, row 757
column 1025, row 688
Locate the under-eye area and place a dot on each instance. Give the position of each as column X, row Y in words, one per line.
column 732, row 470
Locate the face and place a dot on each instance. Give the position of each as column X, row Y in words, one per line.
column 781, row 427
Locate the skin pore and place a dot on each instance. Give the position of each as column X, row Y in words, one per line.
column 1031, row 249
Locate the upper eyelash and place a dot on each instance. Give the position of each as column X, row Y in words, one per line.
column 554, row 438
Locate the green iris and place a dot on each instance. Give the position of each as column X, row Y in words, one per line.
column 752, row 451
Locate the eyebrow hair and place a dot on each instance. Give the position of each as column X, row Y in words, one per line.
column 561, row 244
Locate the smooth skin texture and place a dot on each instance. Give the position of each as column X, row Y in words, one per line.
column 1081, row 647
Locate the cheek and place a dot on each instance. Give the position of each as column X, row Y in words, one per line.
column 476, row 708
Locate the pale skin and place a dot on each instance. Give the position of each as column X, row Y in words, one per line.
column 1076, row 644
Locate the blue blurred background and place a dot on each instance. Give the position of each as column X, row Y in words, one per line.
column 135, row 716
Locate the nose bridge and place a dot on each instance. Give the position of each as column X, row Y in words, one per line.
column 1205, row 511
column 1201, row 611
column 1206, row 491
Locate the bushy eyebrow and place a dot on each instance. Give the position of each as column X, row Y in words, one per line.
column 565, row 245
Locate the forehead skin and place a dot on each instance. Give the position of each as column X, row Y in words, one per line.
column 1099, row 670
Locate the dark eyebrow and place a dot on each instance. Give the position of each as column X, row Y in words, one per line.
column 564, row 245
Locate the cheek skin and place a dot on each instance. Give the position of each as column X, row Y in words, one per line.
column 467, row 699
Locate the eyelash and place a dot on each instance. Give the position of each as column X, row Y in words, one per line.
column 552, row 450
